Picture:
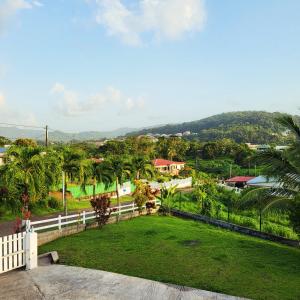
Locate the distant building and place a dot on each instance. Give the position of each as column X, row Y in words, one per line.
column 281, row 148
column 263, row 147
column 263, row 181
column 238, row 181
column 186, row 133
column 258, row 147
column 252, row 146
column 179, row 135
column 168, row 166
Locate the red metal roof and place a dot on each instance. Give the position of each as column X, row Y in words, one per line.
column 164, row 162
column 239, row 179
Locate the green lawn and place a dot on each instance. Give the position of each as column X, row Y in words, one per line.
column 185, row 252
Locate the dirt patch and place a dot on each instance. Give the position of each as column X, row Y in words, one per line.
column 190, row 243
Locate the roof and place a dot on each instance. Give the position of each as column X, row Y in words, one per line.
column 263, row 181
column 239, row 179
column 164, row 162
column 3, row 150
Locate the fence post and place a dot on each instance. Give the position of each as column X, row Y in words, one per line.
column 83, row 217
column 27, row 225
column 59, row 222
column 133, row 207
column 31, row 250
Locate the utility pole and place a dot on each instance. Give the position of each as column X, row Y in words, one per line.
column 63, row 193
column 46, row 141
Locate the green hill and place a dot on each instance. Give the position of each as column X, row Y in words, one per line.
column 244, row 126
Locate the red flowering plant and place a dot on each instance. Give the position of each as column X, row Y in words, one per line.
column 101, row 206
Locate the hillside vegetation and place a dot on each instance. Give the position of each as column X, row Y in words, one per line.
column 243, row 127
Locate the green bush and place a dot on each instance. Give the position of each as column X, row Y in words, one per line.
column 279, row 230
column 53, row 203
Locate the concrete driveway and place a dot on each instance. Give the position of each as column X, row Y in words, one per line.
column 64, row 282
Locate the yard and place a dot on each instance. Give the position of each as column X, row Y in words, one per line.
column 189, row 253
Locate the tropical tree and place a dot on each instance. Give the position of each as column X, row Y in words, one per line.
column 143, row 194
column 166, row 197
column 4, row 141
column 120, row 170
column 284, row 167
column 142, row 167
column 99, row 173
column 25, row 143
column 26, row 170
column 75, row 167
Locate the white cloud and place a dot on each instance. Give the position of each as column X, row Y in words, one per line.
column 162, row 19
column 70, row 103
column 9, row 8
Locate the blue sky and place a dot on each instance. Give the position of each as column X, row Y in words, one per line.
column 104, row 64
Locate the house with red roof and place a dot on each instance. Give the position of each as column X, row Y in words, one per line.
column 168, row 166
column 238, row 181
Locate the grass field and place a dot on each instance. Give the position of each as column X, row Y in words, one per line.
column 184, row 252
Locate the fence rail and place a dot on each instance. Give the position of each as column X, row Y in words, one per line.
column 12, row 249
column 80, row 218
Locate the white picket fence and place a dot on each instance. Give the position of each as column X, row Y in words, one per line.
column 12, row 249
column 20, row 249
column 79, row 218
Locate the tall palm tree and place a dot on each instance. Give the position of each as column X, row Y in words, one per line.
column 120, row 170
column 75, row 167
column 284, row 166
column 142, row 167
column 99, row 173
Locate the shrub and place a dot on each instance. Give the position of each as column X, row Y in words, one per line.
column 53, row 203
column 279, row 230
column 248, row 222
column 101, row 206
column 42, row 203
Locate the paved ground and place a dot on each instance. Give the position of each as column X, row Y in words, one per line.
column 59, row 282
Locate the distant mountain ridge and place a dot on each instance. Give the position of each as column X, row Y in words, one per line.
column 243, row 126
column 57, row 136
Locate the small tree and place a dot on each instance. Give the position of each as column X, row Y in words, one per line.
column 143, row 194
column 167, row 196
column 101, row 206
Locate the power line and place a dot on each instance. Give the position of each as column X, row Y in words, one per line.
column 21, row 125
column 28, row 126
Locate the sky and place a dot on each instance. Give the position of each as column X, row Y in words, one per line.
column 99, row 65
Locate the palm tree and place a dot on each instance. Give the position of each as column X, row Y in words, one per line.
column 75, row 167
column 99, row 173
column 284, row 167
column 167, row 195
column 142, row 167
column 26, row 169
column 120, row 170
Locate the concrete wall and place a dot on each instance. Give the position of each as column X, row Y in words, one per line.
column 48, row 236
column 180, row 183
column 237, row 228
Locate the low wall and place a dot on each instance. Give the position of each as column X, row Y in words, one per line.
column 180, row 183
column 49, row 236
column 237, row 228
